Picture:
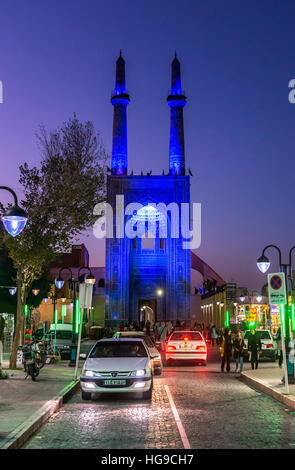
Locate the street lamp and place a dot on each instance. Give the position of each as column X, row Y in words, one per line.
column 15, row 218
column 242, row 298
column 36, row 291
column 263, row 265
column 159, row 292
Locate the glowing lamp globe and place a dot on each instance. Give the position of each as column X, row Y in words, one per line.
column 259, row 298
column 35, row 291
column 12, row 291
column 263, row 264
column 45, row 299
column 242, row 298
column 14, row 220
column 90, row 279
column 59, row 282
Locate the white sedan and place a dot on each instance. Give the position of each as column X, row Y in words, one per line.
column 186, row 346
column 118, row 365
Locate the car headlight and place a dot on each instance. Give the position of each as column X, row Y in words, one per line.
column 91, row 373
column 138, row 373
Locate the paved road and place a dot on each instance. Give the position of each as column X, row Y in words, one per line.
column 216, row 411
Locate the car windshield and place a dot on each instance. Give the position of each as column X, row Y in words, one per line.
column 61, row 334
column 191, row 335
column 260, row 334
column 118, row 349
column 263, row 334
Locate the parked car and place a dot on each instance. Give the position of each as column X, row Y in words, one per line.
column 62, row 334
column 118, row 365
column 186, row 346
column 269, row 345
column 157, row 360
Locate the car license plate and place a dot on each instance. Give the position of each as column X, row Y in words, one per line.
column 114, row 382
column 185, row 345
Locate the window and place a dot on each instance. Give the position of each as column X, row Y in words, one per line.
column 161, row 243
column 192, row 335
column 101, row 282
column 118, row 349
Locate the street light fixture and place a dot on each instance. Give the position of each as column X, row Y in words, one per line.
column 45, row 300
column 159, row 292
column 263, row 265
column 242, row 298
column 12, row 291
column 59, row 282
column 36, row 291
column 15, row 218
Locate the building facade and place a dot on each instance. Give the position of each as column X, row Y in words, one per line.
column 147, row 271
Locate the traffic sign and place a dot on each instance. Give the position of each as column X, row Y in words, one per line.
column 277, row 288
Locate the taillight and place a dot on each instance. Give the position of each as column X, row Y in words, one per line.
column 201, row 348
column 170, row 348
column 269, row 345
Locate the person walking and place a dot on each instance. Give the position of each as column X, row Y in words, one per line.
column 254, row 346
column 239, row 348
column 213, row 335
column 279, row 345
column 148, row 327
column 226, row 350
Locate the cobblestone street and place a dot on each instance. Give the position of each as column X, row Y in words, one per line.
column 216, row 410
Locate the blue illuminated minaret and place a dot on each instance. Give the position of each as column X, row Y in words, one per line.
column 176, row 101
column 120, row 99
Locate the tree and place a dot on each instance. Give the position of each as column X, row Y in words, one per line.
column 59, row 198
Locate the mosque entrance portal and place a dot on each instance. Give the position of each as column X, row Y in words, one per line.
column 147, row 310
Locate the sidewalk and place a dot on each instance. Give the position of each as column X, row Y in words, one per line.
column 268, row 381
column 25, row 405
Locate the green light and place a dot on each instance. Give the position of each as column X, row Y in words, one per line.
column 282, row 318
column 55, row 315
column 63, row 312
column 26, row 310
column 77, row 317
column 226, row 323
column 293, row 317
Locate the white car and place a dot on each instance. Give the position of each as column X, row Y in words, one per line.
column 268, row 344
column 157, row 361
column 118, row 365
column 186, row 346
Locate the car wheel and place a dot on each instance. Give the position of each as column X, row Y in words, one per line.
column 148, row 394
column 86, row 395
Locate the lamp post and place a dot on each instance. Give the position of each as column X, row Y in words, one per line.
column 59, row 282
column 263, row 265
column 15, row 218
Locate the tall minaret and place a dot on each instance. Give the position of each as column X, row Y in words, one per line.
column 120, row 99
column 176, row 101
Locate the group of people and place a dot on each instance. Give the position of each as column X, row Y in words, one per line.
column 237, row 349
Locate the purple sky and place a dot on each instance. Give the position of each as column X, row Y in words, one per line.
column 58, row 57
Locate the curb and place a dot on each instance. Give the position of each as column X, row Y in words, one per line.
column 259, row 385
column 17, row 438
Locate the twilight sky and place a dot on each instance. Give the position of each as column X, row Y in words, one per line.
column 237, row 58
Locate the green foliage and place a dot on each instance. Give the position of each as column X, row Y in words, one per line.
column 3, row 375
column 59, row 197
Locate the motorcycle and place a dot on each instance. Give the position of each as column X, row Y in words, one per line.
column 34, row 358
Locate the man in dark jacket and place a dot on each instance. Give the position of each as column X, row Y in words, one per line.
column 254, row 346
column 226, row 350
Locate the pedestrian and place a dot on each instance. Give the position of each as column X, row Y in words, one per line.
column 239, row 351
column 209, row 332
column 278, row 339
column 226, row 350
column 254, row 346
column 148, row 327
column 213, row 335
